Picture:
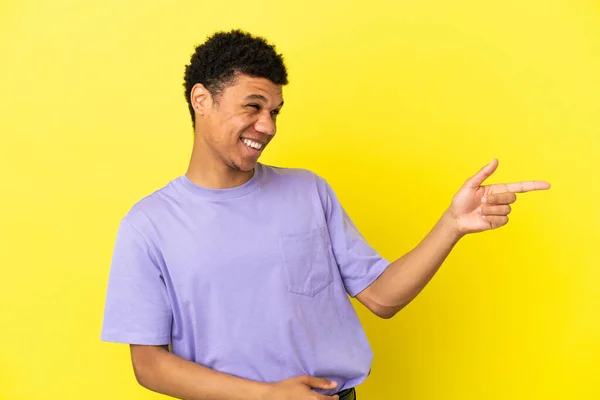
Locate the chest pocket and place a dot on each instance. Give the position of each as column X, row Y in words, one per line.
column 307, row 261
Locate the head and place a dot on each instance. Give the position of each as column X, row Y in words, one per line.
column 233, row 86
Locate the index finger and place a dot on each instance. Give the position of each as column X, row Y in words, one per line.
column 527, row 186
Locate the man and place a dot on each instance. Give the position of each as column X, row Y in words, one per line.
column 233, row 280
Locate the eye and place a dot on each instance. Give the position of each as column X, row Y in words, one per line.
column 256, row 106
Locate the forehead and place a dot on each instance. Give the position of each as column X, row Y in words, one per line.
column 248, row 85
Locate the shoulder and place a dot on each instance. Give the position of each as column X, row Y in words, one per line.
column 298, row 177
column 300, row 181
column 151, row 206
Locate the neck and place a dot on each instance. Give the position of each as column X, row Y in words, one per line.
column 208, row 171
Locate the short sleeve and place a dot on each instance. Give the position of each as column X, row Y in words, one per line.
column 137, row 309
column 358, row 262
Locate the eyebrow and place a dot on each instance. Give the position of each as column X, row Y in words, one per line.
column 260, row 97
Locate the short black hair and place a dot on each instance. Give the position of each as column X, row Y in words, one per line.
column 224, row 55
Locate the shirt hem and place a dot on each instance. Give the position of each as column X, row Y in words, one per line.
column 380, row 266
column 141, row 340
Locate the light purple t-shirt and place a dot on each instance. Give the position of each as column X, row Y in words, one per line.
column 252, row 281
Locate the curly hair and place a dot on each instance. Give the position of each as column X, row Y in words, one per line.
column 217, row 61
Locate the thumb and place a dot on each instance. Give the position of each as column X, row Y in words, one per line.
column 484, row 173
column 319, row 383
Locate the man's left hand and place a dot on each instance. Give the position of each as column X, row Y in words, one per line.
column 477, row 208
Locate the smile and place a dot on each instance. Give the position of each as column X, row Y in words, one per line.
column 251, row 143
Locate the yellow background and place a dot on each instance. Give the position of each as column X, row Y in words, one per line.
column 394, row 103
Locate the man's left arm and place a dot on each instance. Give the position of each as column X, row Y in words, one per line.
column 475, row 208
column 406, row 277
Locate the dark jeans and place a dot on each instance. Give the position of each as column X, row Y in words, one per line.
column 348, row 394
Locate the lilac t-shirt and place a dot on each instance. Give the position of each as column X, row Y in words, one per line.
column 252, row 281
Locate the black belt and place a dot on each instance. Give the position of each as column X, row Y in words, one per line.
column 347, row 394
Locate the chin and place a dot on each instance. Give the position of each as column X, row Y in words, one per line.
column 244, row 166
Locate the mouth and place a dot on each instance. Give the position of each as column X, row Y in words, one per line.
column 253, row 145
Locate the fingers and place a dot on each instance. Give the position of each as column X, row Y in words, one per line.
column 495, row 215
column 484, row 173
column 500, row 198
column 508, row 192
column 494, row 210
column 527, row 186
column 495, row 221
column 319, row 383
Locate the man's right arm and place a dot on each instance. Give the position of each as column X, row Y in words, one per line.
column 163, row 372
column 138, row 312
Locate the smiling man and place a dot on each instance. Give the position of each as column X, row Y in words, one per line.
column 233, row 280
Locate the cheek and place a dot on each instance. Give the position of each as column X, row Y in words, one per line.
column 227, row 129
column 240, row 125
column 222, row 130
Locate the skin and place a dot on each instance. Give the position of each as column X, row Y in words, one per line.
column 248, row 109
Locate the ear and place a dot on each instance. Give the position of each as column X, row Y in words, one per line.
column 200, row 98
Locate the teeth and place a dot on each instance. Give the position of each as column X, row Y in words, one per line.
column 252, row 143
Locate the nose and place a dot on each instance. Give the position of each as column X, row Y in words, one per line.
column 266, row 124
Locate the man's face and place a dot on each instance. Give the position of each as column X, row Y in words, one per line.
column 237, row 128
